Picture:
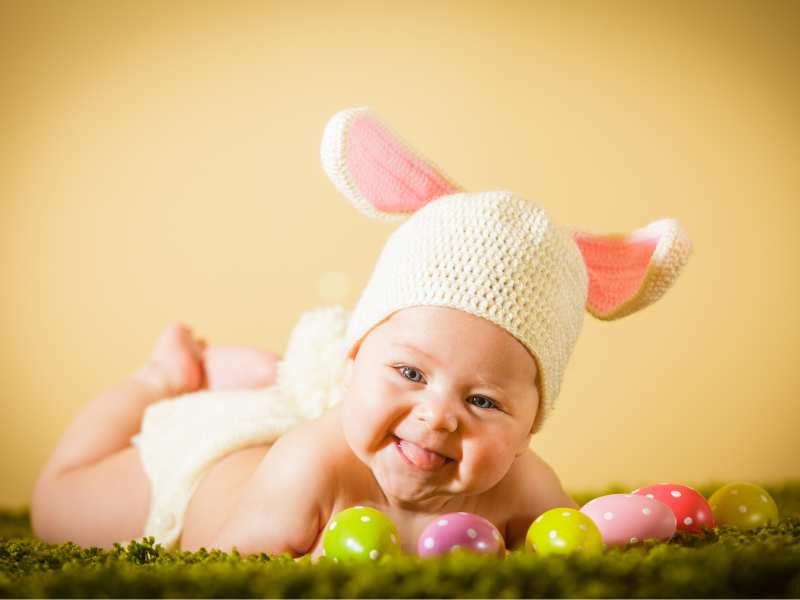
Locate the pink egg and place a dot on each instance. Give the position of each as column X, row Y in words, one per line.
column 460, row 530
column 629, row 518
column 691, row 510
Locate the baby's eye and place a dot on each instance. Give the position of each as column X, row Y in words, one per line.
column 404, row 370
column 484, row 402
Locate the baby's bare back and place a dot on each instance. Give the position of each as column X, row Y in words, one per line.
column 527, row 490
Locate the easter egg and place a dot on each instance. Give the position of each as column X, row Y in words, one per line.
column 562, row 531
column 692, row 512
column 743, row 505
column 360, row 533
column 460, row 530
column 630, row 518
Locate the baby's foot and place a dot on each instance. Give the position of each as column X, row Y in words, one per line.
column 176, row 365
column 232, row 367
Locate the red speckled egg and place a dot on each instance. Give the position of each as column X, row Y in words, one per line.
column 692, row 512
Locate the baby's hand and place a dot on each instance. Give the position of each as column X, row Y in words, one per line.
column 233, row 367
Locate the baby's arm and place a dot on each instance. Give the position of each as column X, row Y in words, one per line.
column 280, row 509
column 540, row 490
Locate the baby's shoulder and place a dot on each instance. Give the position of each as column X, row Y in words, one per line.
column 528, row 463
column 319, row 443
column 530, row 488
column 533, row 481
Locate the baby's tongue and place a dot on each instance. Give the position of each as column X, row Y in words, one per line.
column 421, row 457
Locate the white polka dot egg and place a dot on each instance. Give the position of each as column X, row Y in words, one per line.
column 360, row 533
column 563, row 531
column 630, row 518
column 690, row 508
column 460, row 530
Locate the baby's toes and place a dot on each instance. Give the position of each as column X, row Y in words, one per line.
column 179, row 357
column 199, row 346
column 174, row 340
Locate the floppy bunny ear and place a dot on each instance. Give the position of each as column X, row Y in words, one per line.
column 629, row 272
column 378, row 173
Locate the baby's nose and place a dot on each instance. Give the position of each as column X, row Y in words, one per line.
column 437, row 414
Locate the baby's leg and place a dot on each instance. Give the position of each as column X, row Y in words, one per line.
column 93, row 491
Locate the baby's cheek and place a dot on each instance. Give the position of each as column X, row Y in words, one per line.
column 355, row 417
column 492, row 455
column 380, row 395
column 369, row 413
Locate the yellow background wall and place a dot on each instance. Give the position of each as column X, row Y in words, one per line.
column 160, row 160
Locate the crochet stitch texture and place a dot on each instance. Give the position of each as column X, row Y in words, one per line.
column 494, row 255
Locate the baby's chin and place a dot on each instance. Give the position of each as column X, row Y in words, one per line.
column 412, row 495
column 401, row 485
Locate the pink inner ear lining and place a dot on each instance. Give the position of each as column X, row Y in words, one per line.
column 386, row 173
column 616, row 266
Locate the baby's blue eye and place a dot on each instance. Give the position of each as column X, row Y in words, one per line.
column 487, row 403
column 491, row 403
column 407, row 369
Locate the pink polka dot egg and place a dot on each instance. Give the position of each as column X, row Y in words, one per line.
column 630, row 518
column 691, row 510
column 460, row 530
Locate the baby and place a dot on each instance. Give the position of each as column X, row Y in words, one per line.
column 437, row 419
column 454, row 353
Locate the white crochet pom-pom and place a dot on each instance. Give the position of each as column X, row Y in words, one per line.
column 314, row 366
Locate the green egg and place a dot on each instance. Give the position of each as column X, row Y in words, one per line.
column 743, row 505
column 562, row 531
column 360, row 533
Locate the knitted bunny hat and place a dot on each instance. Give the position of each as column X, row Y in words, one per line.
column 491, row 254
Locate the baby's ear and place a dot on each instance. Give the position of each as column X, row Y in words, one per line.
column 378, row 173
column 628, row 272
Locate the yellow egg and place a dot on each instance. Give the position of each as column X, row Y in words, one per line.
column 562, row 531
column 743, row 505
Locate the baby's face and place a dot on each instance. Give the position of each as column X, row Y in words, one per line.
column 468, row 392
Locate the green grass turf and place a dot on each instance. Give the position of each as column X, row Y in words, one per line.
column 725, row 563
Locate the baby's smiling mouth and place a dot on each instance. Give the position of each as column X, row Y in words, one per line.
column 419, row 457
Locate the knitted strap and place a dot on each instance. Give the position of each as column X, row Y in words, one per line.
column 629, row 272
column 377, row 172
